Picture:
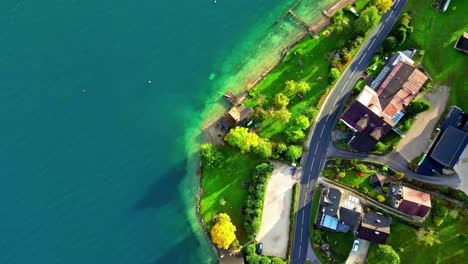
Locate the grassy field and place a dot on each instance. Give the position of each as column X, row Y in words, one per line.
column 225, row 184
column 340, row 244
column 436, row 33
column 452, row 235
column 314, row 54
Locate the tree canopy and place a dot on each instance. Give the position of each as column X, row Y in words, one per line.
column 282, row 115
column 280, row 101
column 241, row 137
column 383, row 5
column 293, row 87
column 334, row 75
column 386, row 255
column 222, row 232
column 294, row 153
column 418, row 106
column 301, row 122
column 427, row 238
column 367, row 20
column 210, row 155
column 264, row 148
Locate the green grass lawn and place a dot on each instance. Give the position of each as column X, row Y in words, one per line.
column 452, row 234
column 436, row 32
column 315, row 56
column 315, row 203
column 225, row 183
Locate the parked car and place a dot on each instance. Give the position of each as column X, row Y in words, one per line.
column 259, row 248
column 356, row 245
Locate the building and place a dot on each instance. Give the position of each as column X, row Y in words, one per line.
column 377, row 180
column 449, row 150
column 232, row 98
column 462, row 43
column 410, row 201
column 375, row 228
column 340, row 212
column 234, row 117
column 376, row 111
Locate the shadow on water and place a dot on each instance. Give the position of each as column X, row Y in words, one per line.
column 163, row 189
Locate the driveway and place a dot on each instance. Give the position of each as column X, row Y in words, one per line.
column 359, row 257
column 418, row 138
column 274, row 231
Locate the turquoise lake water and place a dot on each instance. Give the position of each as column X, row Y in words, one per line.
column 96, row 162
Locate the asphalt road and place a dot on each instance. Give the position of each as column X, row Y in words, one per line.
column 321, row 134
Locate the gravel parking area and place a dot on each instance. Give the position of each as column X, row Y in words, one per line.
column 274, row 231
column 418, row 138
column 359, row 257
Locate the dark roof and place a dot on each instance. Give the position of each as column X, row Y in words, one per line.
column 372, row 235
column 223, row 123
column 231, row 98
column 454, row 118
column 363, row 141
column 334, row 195
column 450, row 146
column 331, row 202
column 393, row 83
column 412, row 208
column 375, row 228
column 349, row 217
column 245, row 113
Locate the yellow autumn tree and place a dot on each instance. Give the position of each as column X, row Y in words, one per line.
column 222, row 232
column 383, row 5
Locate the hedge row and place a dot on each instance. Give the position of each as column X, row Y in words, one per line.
column 254, row 203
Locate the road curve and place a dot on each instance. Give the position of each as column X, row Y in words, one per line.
column 321, row 132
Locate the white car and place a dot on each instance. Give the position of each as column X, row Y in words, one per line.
column 356, row 245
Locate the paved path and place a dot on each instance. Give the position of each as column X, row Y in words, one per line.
column 397, row 162
column 322, row 129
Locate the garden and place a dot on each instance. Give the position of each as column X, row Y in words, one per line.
column 444, row 240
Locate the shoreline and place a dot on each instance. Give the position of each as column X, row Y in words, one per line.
column 212, row 113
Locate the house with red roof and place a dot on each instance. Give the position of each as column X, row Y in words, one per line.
column 410, row 201
column 376, row 111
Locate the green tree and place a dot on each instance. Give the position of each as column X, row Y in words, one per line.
column 401, row 35
column 334, row 75
column 282, row 115
column 291, row 87
column 427, row 238
column 275, row 260
column 303, row 87
column 294, row 153
column 405, row 19
column 241, row 137
column 418, row 106
column 210, row 155
column 390, row 43
column 264, row 148
column 280, row 101
column 280, row 148
column 250, row 249
column 384, row 254
column 301, row 122
column 259, row 114
column 295, row 135
column 368, row 19
column 383, row 5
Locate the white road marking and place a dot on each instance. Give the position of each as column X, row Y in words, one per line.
column 312, row 164
column 379, row 30
column 387, row 19
column 335, row 101
column 363, row 56
column 316, row 148
column 372, row 43
column 329, row 115
column 303, row 204
column 322, row 131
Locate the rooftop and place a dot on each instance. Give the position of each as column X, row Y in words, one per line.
column 416, row 196
column 450, row 146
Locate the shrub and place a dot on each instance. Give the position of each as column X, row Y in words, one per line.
column 380, row 146
column 280, row 148
column 334, row 75
column 338, row 161
column 259, row 114
column 250, row 249
column 360, row 167
column 346, row 58
column 380, row 198
column 336, row 63
column 280, row 101
column 401, row 35
column 418, row 106
column 275, row 260
column 312, row 113
column 399, row 175
column 437, row 221
column 390, row 43
column 295, row 136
